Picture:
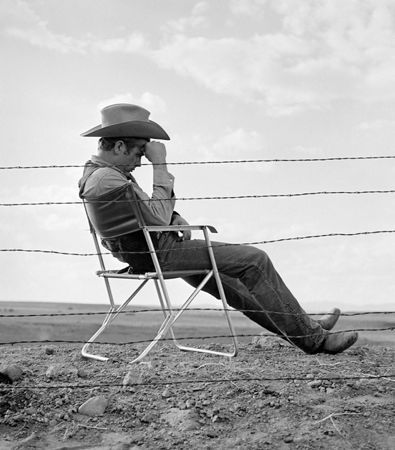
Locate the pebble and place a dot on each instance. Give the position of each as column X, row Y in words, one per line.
column 13, row 372
column 314, row 384
column 50, row 350
column 189, row 403
column 131, row 378
column 166, row 393
column 95, row 406
column 262, row 342
column 82, row 373
column 59, row 371
column 184, row 419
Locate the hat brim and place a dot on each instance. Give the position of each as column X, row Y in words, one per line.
column 143, row 129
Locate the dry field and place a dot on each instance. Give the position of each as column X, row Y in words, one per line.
column 179, row 400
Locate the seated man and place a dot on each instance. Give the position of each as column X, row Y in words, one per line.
column 250, row 281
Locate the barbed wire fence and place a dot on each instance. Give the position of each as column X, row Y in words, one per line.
column 229, row 161
column 234, row 197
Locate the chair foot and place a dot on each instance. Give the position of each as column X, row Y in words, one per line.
column 85, row 354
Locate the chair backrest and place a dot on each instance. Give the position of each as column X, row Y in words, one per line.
column 115, row 213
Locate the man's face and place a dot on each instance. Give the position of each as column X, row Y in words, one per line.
column 132, row 153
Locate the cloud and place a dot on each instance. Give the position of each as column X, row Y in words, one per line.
column 148, row 100
column 251, row 69
column 247, row 7
column 26, row 25
column 322, row 51
column 196, row 19
column 377, row 125
column 232, row 142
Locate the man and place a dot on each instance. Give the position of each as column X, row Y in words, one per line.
column 250, row 281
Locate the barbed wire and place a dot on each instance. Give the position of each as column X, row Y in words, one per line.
column 136, row 311
column 231, row 161
column 269, row 241
column 225, row 197
column 184, row 338
column 197, row 381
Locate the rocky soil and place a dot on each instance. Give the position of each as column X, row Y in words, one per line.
column 58, row 400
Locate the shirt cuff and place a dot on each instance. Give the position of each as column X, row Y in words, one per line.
column 163, row 178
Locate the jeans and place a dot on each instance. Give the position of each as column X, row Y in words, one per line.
column 250, row 282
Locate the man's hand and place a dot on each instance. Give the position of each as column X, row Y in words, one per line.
column 185, row 235
column 155, row 152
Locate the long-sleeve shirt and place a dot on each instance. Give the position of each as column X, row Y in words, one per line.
column 156, row 210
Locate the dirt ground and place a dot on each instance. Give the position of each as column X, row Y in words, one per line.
column 154, row 413
column 179, row 400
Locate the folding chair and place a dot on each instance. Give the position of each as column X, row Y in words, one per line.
column 101, row 212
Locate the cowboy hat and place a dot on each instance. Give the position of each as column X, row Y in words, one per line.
column 126, row 120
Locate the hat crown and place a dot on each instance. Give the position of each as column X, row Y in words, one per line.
column 123, row 112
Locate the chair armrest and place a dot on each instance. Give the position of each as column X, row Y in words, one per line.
column 176, row 228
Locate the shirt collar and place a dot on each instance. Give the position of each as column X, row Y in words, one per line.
column 103, row 163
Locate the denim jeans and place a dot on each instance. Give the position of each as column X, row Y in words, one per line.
column 250, row 282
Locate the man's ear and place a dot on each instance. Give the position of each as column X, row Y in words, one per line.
column 118, row 146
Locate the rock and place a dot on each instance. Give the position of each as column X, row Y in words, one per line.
column 59, row 371
column 166, row 393
column 131, row 378
column 93, row 407
column 262, row 341
column 314, row 384
column 82, row 373
column 50, row 350
column 13, row 372
column 183, row 419
column 189, row 403
column 5, row 379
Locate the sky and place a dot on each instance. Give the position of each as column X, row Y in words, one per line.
column 228, row 80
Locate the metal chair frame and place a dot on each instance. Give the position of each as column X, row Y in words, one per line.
column 159, row 277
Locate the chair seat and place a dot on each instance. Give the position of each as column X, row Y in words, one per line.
column 150, row 275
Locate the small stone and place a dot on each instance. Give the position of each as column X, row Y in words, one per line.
column 314, row 384
column 50, row 350
column 189, row 403
column 95, row 406
column 166, row 393
column 288, row 439
column 131, row 379
column 13, row 372
column 185, row 420
column 211, row 434
column 262, row 342
column 82, row 373
column 59, row 371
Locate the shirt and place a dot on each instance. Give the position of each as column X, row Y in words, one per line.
column 156, row 210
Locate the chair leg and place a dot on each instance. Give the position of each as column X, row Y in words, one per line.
column 110, row 316
column 182, row 310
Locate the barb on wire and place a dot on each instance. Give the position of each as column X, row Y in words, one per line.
column 150, row 310
column 196, row 381
column 269, row 241
column 217, row 336
column 231, row 161
column 226, row 197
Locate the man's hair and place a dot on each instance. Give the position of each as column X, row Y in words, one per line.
column 106, row 144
